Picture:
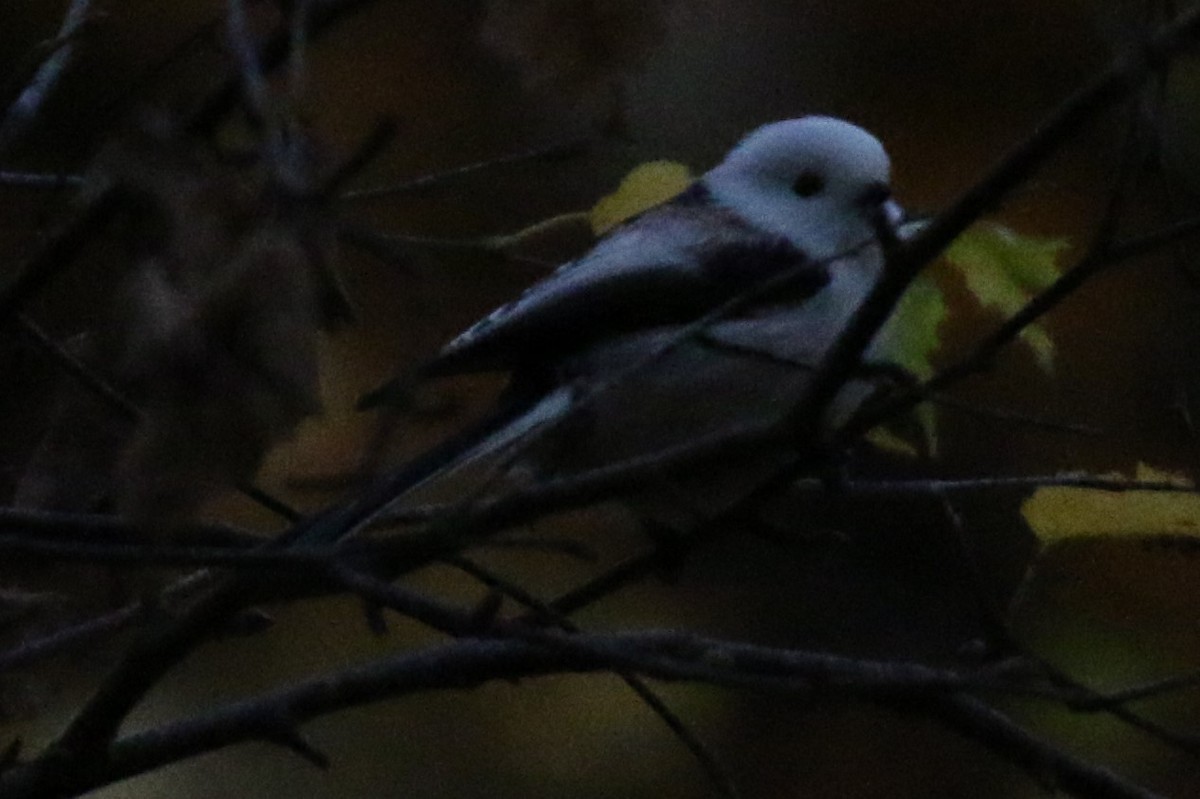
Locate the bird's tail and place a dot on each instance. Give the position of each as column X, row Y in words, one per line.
column 491, row 433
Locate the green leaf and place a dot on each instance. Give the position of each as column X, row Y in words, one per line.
column 911, row 333
column 908, row 340
column 1004, row 269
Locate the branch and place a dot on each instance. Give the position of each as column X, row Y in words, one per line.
column 73, row 637
column 56, row 254
column 19, row 116
column 39, row 180
column 974, row 719
column 274, row 52
column 85, row 376
column 933, row 487
column 717, row 773
column 910, row 688
column 927, row 487
column 548, row 152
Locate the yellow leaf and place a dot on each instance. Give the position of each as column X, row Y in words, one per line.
column 644, row 187
column 1148, row 474
column 888, row 441
column 1060, row 513
column 1004, row 269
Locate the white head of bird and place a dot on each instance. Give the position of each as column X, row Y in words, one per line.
column 819, row 182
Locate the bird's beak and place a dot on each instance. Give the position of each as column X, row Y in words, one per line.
column 889, row 221
column 911, row 224
column 893, row 215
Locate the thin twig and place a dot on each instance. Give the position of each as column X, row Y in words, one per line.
column 245, row 51
column 381, row 135
column 56, row 254
column 1012, row 416
column 421, row 514
column 1104, row 700
column 72, row 365
column 628, row 571
column 78, row 635
column 717, row 773
column 378, row 245
column 115, row 399
column 1149, row 242
column 553, row 151
column 1108, row 223
column 991, row 614
column 39, row 180
column 100, row 529
column 276, row 50
column 974, row 719
column 261, row 560
column 208, row 31
column 71, row 638
column 20, row 116
column 432, row 613
column 934, row 487
column 1084, row 698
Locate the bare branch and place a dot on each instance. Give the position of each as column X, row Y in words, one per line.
column 909, row 688
column 115, row 399
column 19, row 116
column 72, row 638
column 1150, row 690
column 244, row 48
column 55, row 255
column 974, row 719
column 716, row 771
column 274, row 52
column 555, row 151
column 934, row 487
column 37, row 180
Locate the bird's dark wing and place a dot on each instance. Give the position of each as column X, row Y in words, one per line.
column 669, row 265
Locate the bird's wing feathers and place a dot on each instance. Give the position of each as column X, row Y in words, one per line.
column 669, row 265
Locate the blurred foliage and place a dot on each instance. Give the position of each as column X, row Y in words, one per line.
column 1004, row 270
column 215, row 325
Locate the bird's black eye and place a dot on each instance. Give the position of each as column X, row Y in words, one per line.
column 808, row 184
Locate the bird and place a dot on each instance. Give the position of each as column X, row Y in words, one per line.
column 639, row 345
